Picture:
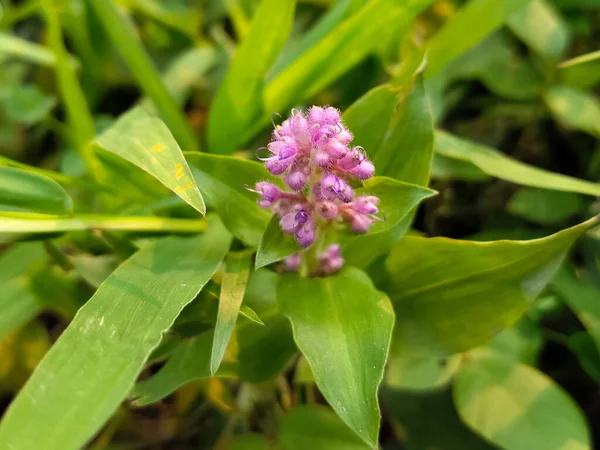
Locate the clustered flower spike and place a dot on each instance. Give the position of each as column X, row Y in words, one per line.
column 312, row 153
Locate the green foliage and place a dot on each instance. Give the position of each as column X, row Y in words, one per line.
column 468, row 309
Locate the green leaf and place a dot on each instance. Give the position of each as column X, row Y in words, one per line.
column 521, row 342
column 122, row 33
column 542, row 28
column 238, row 102
column 222, row 180
column 496, row 164
column 26, row 190
column 445, row 168
column 190, row 361
column 94, row 269
column 343, row 326
column 585, row 350
column 274, row 245
column 582, row 72
column 452, row 295
column 344, row 47
column 94, row 363
column 27, row 104
column 474, row 21
column 250, row 314
column 582, row 298
column 233, row 287
column 516, row 406
column 574, row 108
column 16, row 225
column 146, row 142
column 545, row 206
column 317, row 428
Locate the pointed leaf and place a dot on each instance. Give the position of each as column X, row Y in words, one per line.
column 94, row 363
column 453, row 295
column 517, row 407
column 275, row 245
column 494, row 163
column 147, row 142
column 233, row 287
column 343, row 326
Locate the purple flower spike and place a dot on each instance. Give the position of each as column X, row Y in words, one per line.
column 310, row 151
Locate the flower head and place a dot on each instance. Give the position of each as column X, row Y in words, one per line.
column 311, row 151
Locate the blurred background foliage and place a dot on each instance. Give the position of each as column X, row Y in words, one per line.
column 507, row 97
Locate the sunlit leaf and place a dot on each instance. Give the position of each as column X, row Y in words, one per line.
column 146, row 142
column 515, row 406
column 575, row 109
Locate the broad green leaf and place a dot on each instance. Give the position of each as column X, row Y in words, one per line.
column 344, row 47
column 343, row 327
column 27, row 104
column 521, row 342
column 123, row 36
column 452, row 295
column 190, row 361
column 238, row 103
column 582, row 297
column 147, row 142
column 545, row 206
column 407, row 148
column 497, row 164
column 467, row 27
column 420, row 373
column 274, row 245
column 20, row 259
column 402, row 149
column 582, row 72
column 516, row 406
column 26, row 190
column 574, row 108
column 222, row 179
column 233, row 286
column 317, row 428
column 16, row 225
column 94, row 363
column 542, row 28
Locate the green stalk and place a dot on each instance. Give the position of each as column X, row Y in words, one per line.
column 128, row 45
column 78, row 112
column 26, row 223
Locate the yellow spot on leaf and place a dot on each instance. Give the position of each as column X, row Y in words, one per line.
column 158, row 148
column 178, row 171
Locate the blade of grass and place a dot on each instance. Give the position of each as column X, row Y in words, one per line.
column 125, row 42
